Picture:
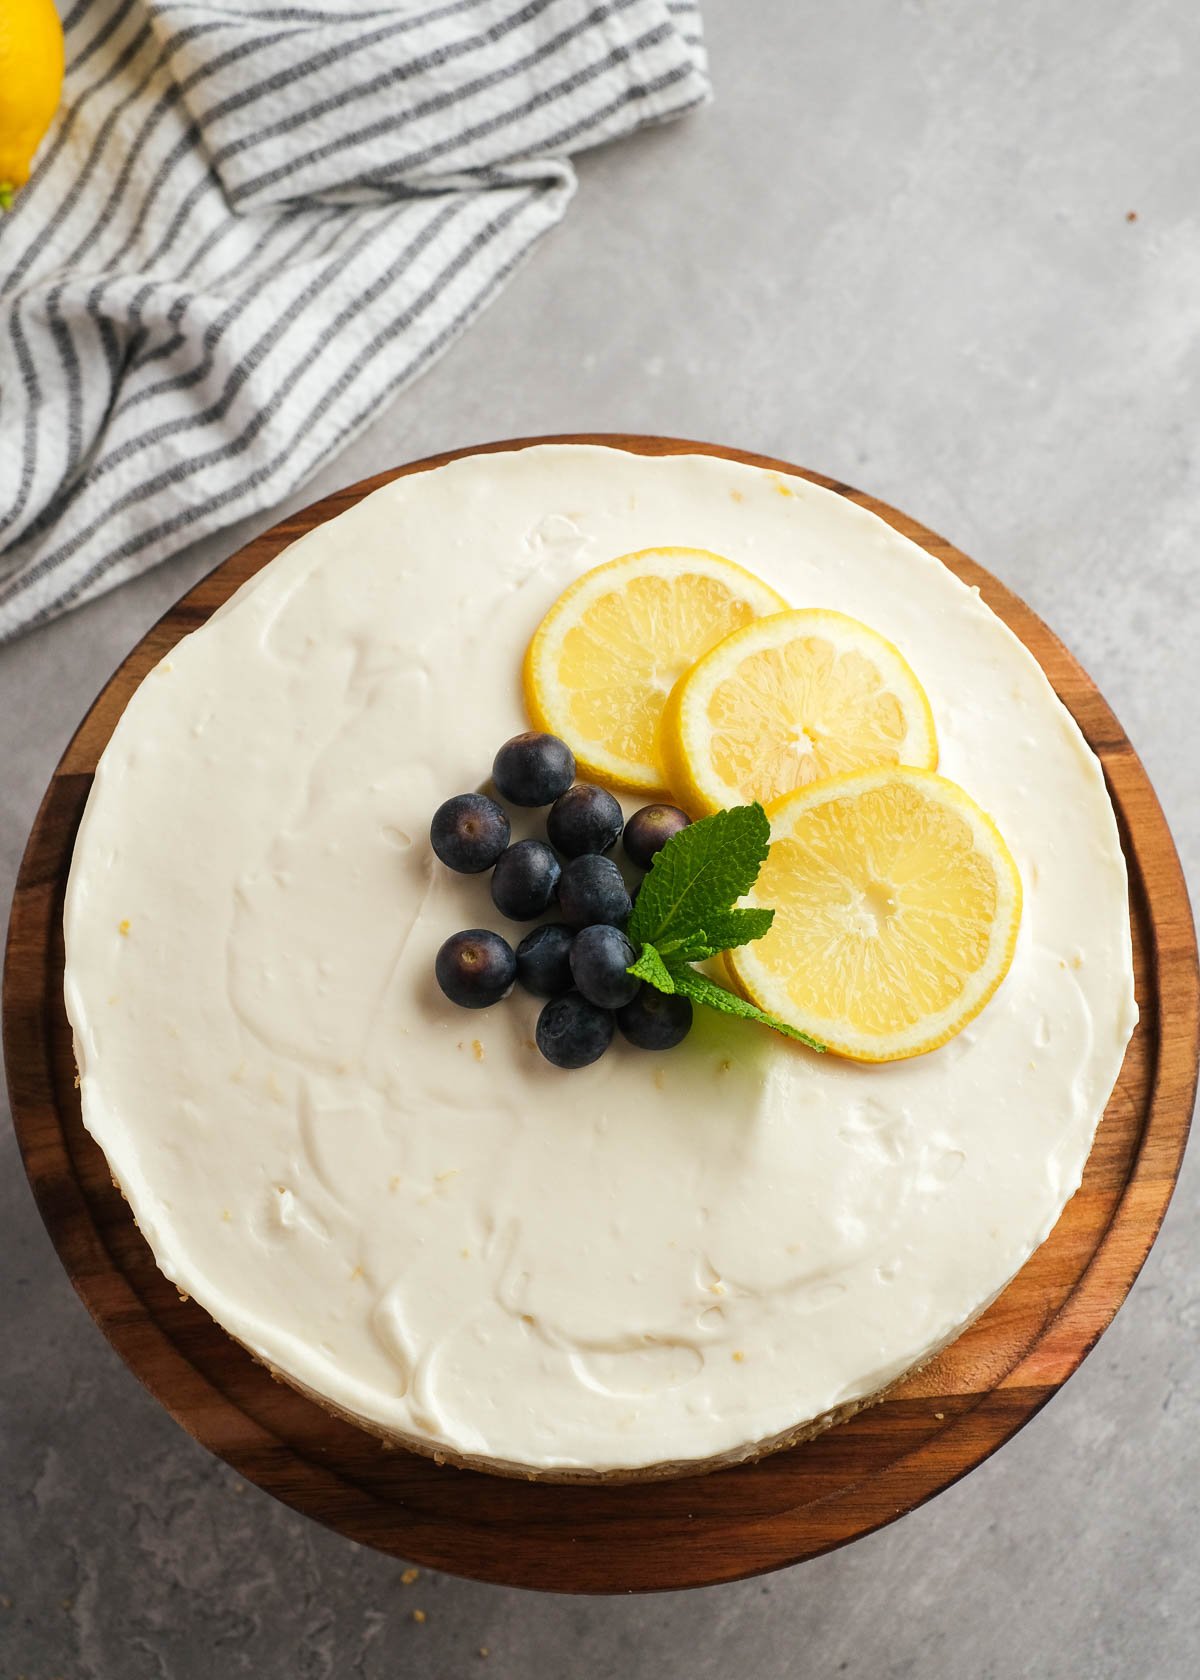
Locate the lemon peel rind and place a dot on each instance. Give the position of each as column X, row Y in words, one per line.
column 32, row 56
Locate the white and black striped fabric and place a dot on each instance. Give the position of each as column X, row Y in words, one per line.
column 253, row 222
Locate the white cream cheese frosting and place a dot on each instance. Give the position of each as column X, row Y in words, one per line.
column 397, row 1204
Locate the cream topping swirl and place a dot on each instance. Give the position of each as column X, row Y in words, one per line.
column 397, row 1203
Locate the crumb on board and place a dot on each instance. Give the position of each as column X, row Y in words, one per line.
column 123, row 928
column 484, row 1652
column 418, row 1615
column 409, row 1576
column 738, row 1356
column 1131, row 215
column 477, row 1049
column 940, row 1416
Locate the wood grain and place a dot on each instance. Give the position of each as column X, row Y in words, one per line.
column 649, row 1536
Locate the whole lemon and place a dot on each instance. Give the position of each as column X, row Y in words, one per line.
column 31, row 73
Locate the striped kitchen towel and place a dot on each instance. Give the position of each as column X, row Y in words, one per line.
column 253, row 222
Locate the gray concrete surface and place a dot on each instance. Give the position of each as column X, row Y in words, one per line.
column 897, row 249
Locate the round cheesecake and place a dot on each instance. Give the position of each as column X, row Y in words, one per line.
column 656, row 1264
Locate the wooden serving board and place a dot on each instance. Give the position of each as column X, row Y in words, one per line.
column 647, row 1536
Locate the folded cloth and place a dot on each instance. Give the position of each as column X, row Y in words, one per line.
column 254, row 222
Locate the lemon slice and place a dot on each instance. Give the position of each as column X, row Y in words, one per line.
column 790, row 700
column 611, row 648
column 896, row 911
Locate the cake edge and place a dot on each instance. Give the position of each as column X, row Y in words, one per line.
column 444, row 1457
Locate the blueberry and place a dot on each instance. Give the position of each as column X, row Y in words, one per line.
column 656, row 1020
column 524, row 880
column 544, row 960
column 648, row 830
column 571, row 1032
column 599, row 958
column 584, row 819
column 476, row 968
column 590, row 889
column 533, row 769
column 469, row 832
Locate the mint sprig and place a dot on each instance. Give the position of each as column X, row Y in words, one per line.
column 687, row 910
column 722, row 931
column 700, row 874
column 651, row 968
column 701, row 989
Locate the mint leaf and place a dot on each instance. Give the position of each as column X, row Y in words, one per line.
column 689, row 982
column 721, row 932
column 687, row 910
column 697, row 876
column 651, row 968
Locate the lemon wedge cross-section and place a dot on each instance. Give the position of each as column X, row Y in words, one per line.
column 611, row 648
column 789, row 700
column 897, row 904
